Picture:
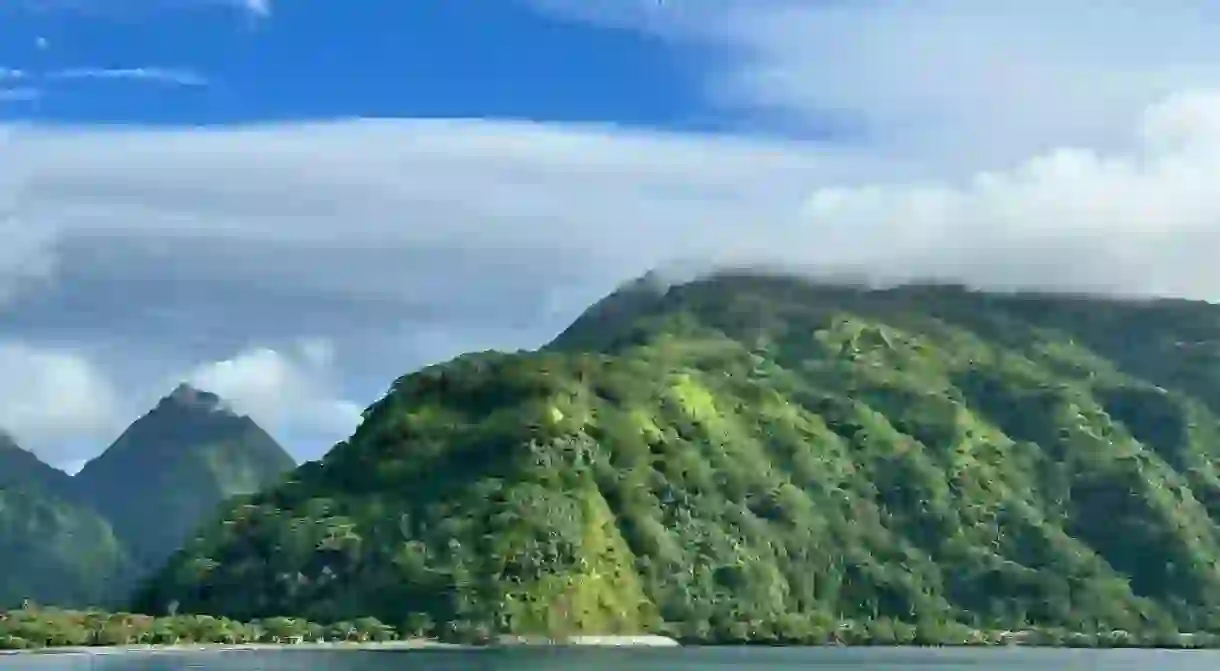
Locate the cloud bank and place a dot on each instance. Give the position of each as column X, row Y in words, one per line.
column 542, row 207
column 174, row 76
column 50, row 396
column 979, row 85
column 408, row 241
column 1027, row 146
column 285, row 391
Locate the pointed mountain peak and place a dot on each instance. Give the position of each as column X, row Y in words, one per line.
column 192, row 452
column 188, row 397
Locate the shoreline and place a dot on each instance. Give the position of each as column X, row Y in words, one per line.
column 412, row 644
column 635, row 642
column 371, row 646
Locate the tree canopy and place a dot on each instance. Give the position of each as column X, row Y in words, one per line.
column 754, row 457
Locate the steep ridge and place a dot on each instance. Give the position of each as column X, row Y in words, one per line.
column 751, row 456
column 52, row 549
column 22, row 467
column 168, row 472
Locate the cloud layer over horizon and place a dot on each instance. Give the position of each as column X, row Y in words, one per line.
column 297, row 268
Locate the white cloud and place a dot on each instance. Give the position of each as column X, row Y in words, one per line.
column 175, row 76
column 1020, row 144
column 28, row 252
column 257, row 8
column 291, row 391
column 91, row 8
column 403, row 242
column 319, row 353
column 1143, row 222
column 27, row 256
column 23, row 94
column 269, row 206
column 979, row 84
column 522, row 200
column 50, row 397
column 10, row 74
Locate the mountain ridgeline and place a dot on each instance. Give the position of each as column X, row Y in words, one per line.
column 86, row 540
column 755, row 457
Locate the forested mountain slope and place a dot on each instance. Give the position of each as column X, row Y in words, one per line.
column 172, row 468
column 747, row 454
column 52, row 549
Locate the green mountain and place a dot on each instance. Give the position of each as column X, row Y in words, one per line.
column 171, row 469
column 52, row 549
column 751, row 456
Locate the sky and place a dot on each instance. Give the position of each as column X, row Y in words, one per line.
column 292, row 203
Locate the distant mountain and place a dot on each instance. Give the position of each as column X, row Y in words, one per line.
column 762, row 457
column 22, row 467
column 52, row 548
column 167, row 473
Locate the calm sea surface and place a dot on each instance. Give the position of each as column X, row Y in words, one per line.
column 682, row 659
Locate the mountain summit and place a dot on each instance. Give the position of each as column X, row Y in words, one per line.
column 186, row 396
column 748, row 456
column 170, row 469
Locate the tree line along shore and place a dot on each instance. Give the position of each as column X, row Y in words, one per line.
column 36, row 628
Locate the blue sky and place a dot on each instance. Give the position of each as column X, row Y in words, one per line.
column 325, row 59
column 429, row 177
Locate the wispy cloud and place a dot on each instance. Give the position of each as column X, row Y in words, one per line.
column 173, row 76
column 258, row 8
column 19, row 94
column 979, row 84
column 10, row 74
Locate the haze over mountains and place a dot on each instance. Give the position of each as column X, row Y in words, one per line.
column 86, row 539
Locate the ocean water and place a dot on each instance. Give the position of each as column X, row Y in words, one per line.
column 673, row 659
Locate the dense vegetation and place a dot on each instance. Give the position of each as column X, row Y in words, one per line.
column 191, row 454
column 51, row 546
column 85, row 540
column 747, row 457
column 34, row 627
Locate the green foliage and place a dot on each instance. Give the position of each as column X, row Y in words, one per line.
column 754, row 458
column 36, row 627
column 191, row 455
column 51, row 548
column 85, row 540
